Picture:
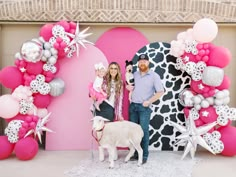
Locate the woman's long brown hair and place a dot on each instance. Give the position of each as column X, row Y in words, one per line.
column 118, row 80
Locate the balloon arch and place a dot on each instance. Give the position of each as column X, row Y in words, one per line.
column 33, row 84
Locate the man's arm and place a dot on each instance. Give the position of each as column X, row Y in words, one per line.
column 154, row 98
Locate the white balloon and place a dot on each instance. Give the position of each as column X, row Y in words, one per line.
column 226, row 92
column 197, row 99
column 52, row 60
column 197, row 106
column 218, row 102
column 47, row 45
column 47, row 53
column 210, row 100
column 226, row 100
column 53, row 51
column 220, row 95
column 205, row 30
column 205, row 104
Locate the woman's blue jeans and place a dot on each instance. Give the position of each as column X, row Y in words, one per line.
column 141, row 115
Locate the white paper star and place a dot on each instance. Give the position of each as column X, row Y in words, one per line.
column 205, row 113
column 200, row 86
column 79, row 38
column 186, row 59
column 22, row 69
column 192, row 136
column 40, row 127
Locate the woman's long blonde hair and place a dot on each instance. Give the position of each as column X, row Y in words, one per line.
column 118, row 80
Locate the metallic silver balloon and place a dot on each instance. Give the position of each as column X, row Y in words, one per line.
column 186, row 98
column 31, row 51
column 57, row 87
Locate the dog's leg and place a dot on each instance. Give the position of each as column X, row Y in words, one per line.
column 131, row 152
column 111, row 156
column 115, row 154
column 140, row 154
column 101, row 153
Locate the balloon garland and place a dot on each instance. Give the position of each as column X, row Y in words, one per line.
column 207, row 115
column 33, row 83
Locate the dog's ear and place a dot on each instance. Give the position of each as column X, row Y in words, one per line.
column 100, row 118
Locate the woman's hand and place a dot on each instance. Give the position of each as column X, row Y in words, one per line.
column 120, row 118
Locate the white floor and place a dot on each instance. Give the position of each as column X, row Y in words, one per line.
column 55, row 163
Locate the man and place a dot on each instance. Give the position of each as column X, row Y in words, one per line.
column 147, row 89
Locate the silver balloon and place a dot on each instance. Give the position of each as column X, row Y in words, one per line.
column 186, row 98
column 57, row 87
column 31, row 51
column 213, row 76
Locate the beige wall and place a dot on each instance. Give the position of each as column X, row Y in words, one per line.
column 13, row 35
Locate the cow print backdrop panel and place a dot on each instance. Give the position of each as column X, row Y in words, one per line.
column 163, row 135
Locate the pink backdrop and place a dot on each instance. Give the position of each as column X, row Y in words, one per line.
column 120, row 44
column 70, row 118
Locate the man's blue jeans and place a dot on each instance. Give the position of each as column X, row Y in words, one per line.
column 141, row 115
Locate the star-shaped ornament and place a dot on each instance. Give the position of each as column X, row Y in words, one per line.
column 22, row 69
column 39, row 128
column 79, row 38
column 192, row 136
column 200, row 86
column 205, row 113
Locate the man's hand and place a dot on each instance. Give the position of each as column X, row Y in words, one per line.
column 146, row 103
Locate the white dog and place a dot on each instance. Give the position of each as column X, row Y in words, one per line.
column 117, row 134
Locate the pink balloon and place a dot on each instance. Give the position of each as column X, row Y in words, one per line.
column 6, row 148
column 42, row 101
column 219, row 56
column 11, row 77
column 9, row 107
column 198, row 122
column 26, row 148
column 186, row 112
column 228, row 137
column 199, row 87
column 46, row 31
column 225, row 83
column 34, row 68
column 190, row 56
column 64, row 24
column 208, row 115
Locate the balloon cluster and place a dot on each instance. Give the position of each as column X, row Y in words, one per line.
column 33, row 84
column 207, row 98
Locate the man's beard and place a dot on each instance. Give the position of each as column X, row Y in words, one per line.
column 143, row 68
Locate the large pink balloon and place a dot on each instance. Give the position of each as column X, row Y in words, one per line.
column 26, row 148
column 11, row 77
column 219, row 56
column 46, row 31
column 34, row 68
column 228, row 137
column 6, row 147
column 9, row 107
column 205, row 30
column 42, row 101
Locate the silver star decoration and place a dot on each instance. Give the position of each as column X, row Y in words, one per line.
column 40, row 127
column 192, row 136
column 79, row 38
column 205, row 113
column 200, row 86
